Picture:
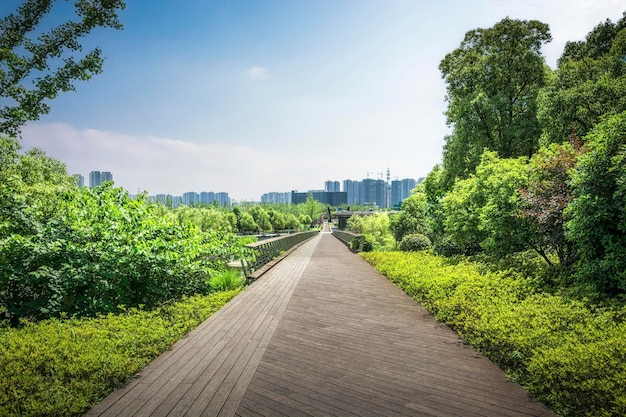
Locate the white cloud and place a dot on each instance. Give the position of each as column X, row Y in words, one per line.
column 256, row 72
column 158, row 165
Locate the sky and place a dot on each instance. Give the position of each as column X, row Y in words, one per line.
column 249, row 97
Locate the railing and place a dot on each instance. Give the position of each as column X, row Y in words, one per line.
column 265, row 251
column 348, row 237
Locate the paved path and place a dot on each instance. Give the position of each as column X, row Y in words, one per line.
column 321, row 334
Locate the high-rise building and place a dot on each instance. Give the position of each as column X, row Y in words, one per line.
column 207, row 197
column 190, row 197
column 407, row 185
column 378, row 192
column 369, row 194
column 381, row 193
column 353, row 190
column 222, row 199
column 396, row 193
column 177, row 201
column 96, row 178
column 332, row 186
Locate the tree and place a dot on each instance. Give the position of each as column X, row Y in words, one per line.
column 435, row 188
column 261, row 218
column 590, row 82
column 311, row 207
column 246, row 223
column 546, row 198
column 482, row 211
column 277, row 219
column 35, row 70
column 376, row 227
column 305, row 220
column 493, row 79
column 291, row 222
column 413, row 216
column 30, row 187
column 597, row 214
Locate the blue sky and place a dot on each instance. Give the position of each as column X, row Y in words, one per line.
column 249, row 97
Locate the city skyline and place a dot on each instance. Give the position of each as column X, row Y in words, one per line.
column 382, row 193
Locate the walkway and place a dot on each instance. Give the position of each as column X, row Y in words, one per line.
column 321, row 334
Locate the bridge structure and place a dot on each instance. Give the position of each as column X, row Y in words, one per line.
column 321, row 333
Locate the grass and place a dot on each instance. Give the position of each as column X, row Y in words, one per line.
column 230, row 279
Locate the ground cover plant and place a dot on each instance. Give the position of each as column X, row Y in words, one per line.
column 568, row 355
column 62, row 367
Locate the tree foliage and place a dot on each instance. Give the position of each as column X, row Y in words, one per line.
column 261, row 218
column 36, row 63
column 589, row 83
column 548, row 194
column 493, row 79
column 481, row 211
column 376, row 228
column 598, row 210
column 206, row 217
column 413, row 217
column 311, row 207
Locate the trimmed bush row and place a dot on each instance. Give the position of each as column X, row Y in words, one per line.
column 567, row 356
column 64, row 367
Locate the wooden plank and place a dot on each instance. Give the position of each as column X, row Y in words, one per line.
column 350, row 340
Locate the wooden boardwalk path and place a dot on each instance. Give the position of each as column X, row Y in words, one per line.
column 321, row 334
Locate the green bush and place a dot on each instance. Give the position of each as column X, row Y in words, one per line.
column 100, row 250
column 445, row 246
column 571, row 358
column 415, row 242
column 64, row 367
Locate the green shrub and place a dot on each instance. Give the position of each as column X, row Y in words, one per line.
column 445, row 246
column 100, row 250
column 63, row 367
column 415, row 242
column 567, row 356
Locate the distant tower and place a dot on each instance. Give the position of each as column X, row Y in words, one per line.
column 388, row 188
column 106, row 176
column 95, row 178
column 332, row 186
